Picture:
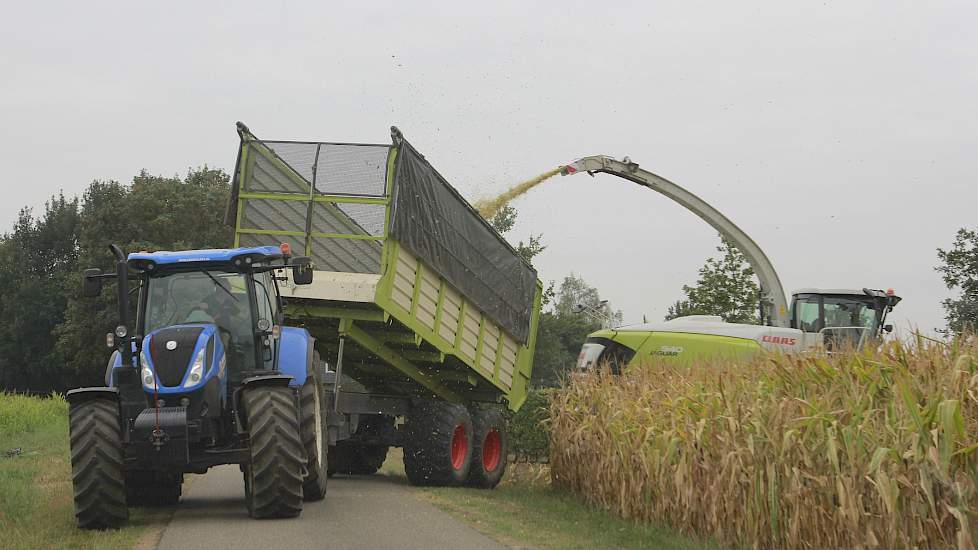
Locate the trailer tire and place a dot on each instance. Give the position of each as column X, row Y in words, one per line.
column 490, row 451
column 314, row 436
column 438, row 449
column 148, row 488
column 97, row 464
column 273, row 476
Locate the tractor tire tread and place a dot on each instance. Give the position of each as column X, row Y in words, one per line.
column 277, row 455
column 97, row 464
column 314, row 485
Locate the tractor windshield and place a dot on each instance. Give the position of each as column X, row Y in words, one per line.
column 211, row 297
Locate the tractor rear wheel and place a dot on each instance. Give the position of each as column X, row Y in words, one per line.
column 314, row 436
column 491, row 448
column 438, row 449
column 357, row 458
column 97, row 464
column 273, row 477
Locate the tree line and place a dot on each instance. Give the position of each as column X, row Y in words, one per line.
column 50, row 337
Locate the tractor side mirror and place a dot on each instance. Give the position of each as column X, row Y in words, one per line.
column 92, row 282
column 301, row 270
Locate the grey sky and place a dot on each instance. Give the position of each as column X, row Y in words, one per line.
column 843, row 137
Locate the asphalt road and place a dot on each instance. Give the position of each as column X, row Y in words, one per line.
column 375, row 512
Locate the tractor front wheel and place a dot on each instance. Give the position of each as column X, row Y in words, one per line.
column 273, row 476
column 97, row 464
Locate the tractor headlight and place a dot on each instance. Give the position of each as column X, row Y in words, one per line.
column 196, row 370
column 146, row 373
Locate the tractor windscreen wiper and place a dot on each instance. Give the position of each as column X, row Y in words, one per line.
column 219, row 285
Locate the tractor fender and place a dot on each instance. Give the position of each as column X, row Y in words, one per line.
column 115, row 361
column 282, row 380
column 80, row 395
column 295, row 354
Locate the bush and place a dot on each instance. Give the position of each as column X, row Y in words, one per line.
column 529, row 436
column 23, row 414
column 872, row 449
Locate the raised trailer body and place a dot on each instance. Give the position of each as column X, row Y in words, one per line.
column 415, row 297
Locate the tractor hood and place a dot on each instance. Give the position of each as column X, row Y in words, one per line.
column 180, row 358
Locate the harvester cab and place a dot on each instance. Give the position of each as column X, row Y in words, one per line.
column 841, row 318
column 196, row 380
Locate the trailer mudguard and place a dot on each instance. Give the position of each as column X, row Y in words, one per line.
column 295, row 353
column 80, row 395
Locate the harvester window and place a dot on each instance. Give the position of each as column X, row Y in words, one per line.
column 847, row 312
column 807, row 316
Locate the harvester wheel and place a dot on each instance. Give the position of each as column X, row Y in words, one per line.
column 314, row 436
column 438, row 449
column 97, row 464
column 490, row 450
column 148, row 488
column 273, row 477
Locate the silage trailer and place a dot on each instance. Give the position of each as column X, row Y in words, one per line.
column 425, row 315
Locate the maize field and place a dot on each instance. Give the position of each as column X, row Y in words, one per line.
column 873, row 449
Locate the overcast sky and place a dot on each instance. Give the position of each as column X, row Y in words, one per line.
column 842, row 136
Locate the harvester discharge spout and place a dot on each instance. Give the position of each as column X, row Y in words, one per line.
column 774, row 306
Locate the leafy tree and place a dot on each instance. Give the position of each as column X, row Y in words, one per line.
column 503, row 222
column 959, row 269
column 562, row 331
column 36, row 262
column 725, row 287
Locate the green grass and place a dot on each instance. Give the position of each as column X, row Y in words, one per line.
column 36, row 509
column 525, row 511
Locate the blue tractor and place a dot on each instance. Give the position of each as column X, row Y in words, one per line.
column 206, row 375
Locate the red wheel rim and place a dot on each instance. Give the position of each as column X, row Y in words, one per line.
column 492, row 449
column 460, row 446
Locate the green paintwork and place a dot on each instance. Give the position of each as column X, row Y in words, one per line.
column 383, row 330
column 662, row 346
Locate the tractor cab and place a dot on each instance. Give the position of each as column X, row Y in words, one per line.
column 843, row 317
column 187, row 296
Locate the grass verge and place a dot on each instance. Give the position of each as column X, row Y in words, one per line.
column 525, row 511
column 36, row 509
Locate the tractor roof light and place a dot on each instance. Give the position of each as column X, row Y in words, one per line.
column 286, row 249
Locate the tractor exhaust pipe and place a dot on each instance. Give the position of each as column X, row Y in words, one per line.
column 122, row 285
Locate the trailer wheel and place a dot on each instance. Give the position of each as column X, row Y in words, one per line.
column 97, row 464
column 148, row 488
column 438, row 450
column 490, row 450
column 314, row 437
column 273, row 477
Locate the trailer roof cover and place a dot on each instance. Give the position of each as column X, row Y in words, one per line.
column 434, row 222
